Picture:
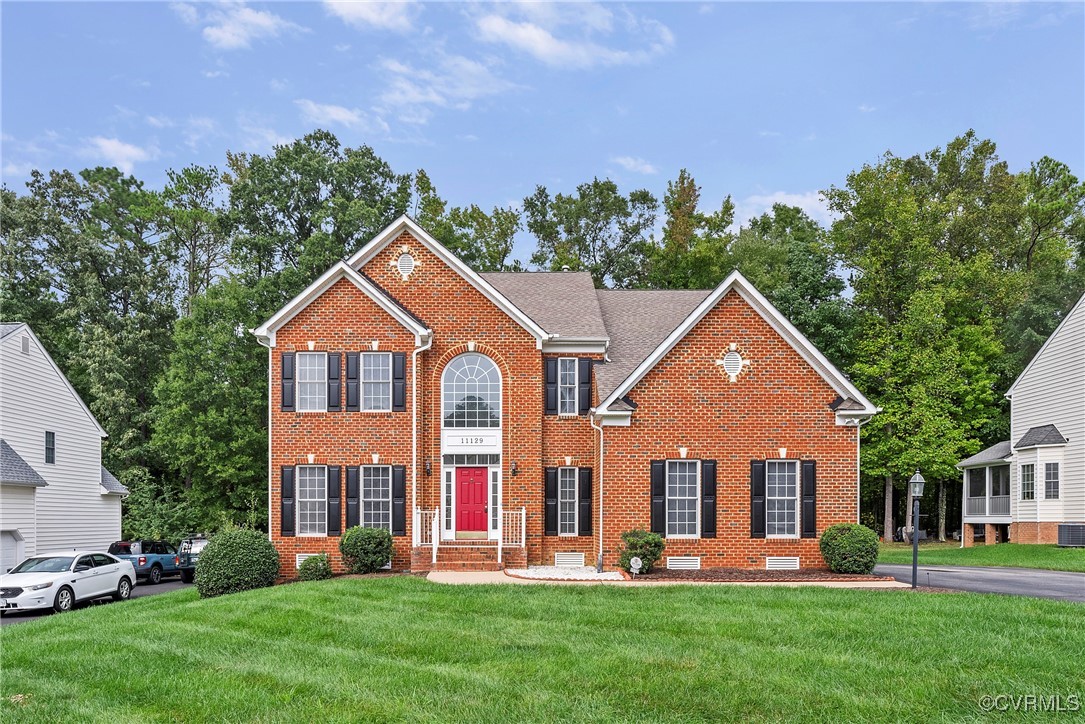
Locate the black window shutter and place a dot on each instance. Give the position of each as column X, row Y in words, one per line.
column 708, row 498
column 585, row 501
column 399, row 382
column 550, row 513
column 286, row 520
column 353, row 487
column 659, row 497
column 335, row 382
column 584, row 382
column 335, row 505
column 352, row 382
column 809, row 499
column 288, row 381
column 757, row 498
column 399, row 500
column 550, row 388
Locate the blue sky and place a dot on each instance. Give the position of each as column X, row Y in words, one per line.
column 766, row 101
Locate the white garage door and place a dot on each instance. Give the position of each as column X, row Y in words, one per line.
column 9, row 551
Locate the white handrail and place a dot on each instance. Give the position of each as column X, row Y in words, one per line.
column 523, row 526
column 435, row 531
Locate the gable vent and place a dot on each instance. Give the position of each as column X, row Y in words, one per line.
column 684, row 563
column 568, row 559
column 26, row 345
column 789, row 563
column 405, row 265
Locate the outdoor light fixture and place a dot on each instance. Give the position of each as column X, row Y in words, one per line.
column 514, row 469
column 429, row 468
column 916, row 486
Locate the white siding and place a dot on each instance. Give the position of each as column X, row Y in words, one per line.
column 17, row 514
column 1051, row 391
column 71, row 510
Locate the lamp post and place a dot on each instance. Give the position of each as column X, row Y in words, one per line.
column 916, row 484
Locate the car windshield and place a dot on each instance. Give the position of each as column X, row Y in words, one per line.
column 198, row 545
column 54, row 564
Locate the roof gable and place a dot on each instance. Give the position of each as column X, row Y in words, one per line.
column 1078, row 308
column 406, row 223
column 1041, row 436
column 740, row 285
column 16, row 471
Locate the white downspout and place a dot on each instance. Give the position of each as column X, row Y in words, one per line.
column 414, row 426
column 599, row 562
column 264, row 342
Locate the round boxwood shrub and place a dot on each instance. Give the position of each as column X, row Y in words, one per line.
column 315, row 568
column 236, row 560
column 849, row 548
column 366, row 550
column 642, row 544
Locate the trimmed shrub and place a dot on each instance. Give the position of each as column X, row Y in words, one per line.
column 366, row 550
column 642, row 544
column 236, row 560
column 315, row 568
column 849, row 548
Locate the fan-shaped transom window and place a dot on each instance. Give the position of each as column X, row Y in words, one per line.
column 472, row 392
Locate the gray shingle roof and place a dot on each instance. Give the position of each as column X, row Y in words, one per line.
column 7, row 328
column 996, row 453
column 562, row 303
column 638, row 321
column 16, row 471
column 1042, row 435
column 110, row 483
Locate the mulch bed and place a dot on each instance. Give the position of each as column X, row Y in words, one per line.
column 753, row 575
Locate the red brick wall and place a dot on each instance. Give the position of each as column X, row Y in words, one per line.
column 1047, row 532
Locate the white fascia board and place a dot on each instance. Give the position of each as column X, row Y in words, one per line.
column 406, row 223
column 341, row 270
column 613, row 418
column 1079, row 307
column 106, row 491
column 63, row 378
column 775, row 319
column 571, row 345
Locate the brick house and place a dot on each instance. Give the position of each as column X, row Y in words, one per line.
column 504, row 419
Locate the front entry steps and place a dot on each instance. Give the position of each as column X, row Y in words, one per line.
column 476, row 556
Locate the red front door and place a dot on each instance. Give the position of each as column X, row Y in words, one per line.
column 471, row 500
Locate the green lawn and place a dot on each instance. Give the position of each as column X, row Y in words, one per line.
column 405, row 649
column 1014, row 555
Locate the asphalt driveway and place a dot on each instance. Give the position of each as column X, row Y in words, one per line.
column 1059, row 585
column 141, row 589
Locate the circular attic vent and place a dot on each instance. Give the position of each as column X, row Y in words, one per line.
column 405, row 265
column 732, row 364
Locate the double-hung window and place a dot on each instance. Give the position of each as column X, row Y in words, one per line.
column 781, row 498
column 312, row 500
column 312, row 381
column 1028, row 482
column 567, row 500
column 1051, row 481
column 377, row 496
column 567, row 386
column 50, row 447
column 683, row 496
column 376, row 381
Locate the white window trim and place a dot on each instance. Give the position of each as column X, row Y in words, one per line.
column 667, row 501
column 297, row 382
column 448, row 500
column 362, row 498
column 1058, row 478
column 297, row 502
column 798, row 500
column 576, row 503
column 362, row 382
column 576, row 387
column 501, row 397
column 1021, row 482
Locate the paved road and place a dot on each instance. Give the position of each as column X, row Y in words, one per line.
column 1059, row 585
column 141, row 589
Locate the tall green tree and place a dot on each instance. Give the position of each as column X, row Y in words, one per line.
column 26, row 290
column 694, row 250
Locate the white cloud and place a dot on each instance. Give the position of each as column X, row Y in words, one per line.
column 456, row 82
column 159, row 121
column 866, row 108
column 327, row 114
column 398, row 16
column 257, row 136
column 809, row 201
column 278, row 85
column 215, row 74
column 235, row 26
column 634, row 164
column 536, row 29
column 992, row 15
column 15, row 169
column 769, row 134
column 197, row 129
column 117, row 153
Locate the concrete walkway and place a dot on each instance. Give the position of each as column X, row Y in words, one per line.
column 480, row 578
column 1059, row 585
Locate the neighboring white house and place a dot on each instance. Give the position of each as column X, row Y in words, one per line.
column 54, row 492
column 1031, row 488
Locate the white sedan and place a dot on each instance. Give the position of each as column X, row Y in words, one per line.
column 60, row 580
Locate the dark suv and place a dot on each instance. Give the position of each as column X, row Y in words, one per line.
column 188, row 553
column 152, row 559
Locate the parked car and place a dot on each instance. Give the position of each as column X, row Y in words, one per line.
column 60, row 580
column 152, row 559
column 188, row 552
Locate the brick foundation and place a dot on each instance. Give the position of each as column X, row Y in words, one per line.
column 1034, row 532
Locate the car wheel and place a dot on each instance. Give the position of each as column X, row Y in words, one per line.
column 187, row 575
column 124, row 590
column 64, row 601
column 155, row 576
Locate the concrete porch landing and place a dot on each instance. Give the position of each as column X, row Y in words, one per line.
column 482, row 578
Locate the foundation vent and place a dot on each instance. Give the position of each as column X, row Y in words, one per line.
column 568, row 559
column 301, row 557
column 684, row 563
column 788, row 563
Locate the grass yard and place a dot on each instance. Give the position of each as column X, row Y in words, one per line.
column 1013, row 555
column 405, row 649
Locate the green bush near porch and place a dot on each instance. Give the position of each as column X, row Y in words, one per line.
column 849, row 548
column 366, row 550
column 642, row 544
